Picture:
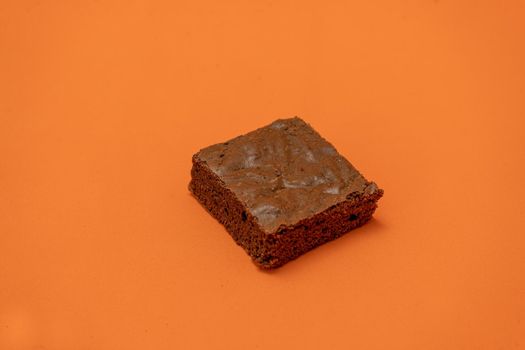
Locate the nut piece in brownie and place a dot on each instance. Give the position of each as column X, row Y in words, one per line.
column 281, row 190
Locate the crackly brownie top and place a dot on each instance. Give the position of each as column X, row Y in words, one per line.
column 283, row 172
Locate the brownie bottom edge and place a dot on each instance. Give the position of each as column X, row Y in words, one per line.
column 270, row 251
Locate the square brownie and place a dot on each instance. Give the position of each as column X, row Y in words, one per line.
column 281, row 190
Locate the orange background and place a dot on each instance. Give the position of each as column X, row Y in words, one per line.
column 102, row 104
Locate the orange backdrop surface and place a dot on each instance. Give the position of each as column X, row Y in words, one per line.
column 103, row 103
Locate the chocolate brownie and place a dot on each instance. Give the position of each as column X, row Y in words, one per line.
column 281, row 190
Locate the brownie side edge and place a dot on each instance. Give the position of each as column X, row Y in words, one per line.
column 224, row 206
column 296, row 240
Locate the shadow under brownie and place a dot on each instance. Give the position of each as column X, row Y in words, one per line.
column 281, row 190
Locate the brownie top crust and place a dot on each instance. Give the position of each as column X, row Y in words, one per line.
column 284, row 172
